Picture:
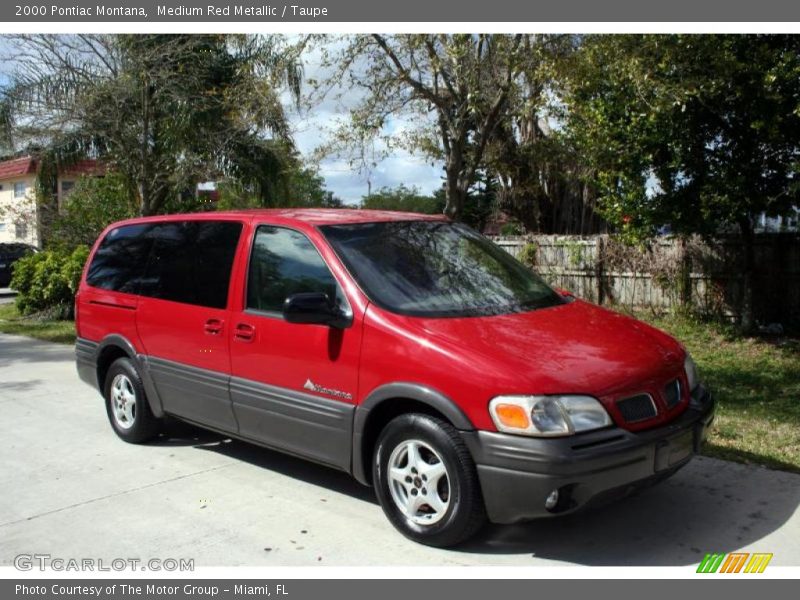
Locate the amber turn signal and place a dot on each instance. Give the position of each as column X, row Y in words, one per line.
column 512, row 416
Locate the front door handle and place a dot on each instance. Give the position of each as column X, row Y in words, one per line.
column 244, row 332
column 213, row 327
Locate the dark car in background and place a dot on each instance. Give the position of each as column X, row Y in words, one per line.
column 9, row 254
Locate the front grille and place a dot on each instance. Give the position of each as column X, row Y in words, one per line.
column 637, row 408
column 672, row 393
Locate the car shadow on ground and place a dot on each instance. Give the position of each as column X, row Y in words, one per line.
column 26, row 385
column 177, row 433
column 709, row 506
column 18, row 349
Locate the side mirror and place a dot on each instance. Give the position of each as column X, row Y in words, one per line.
column 314, row 308
column 566, row 294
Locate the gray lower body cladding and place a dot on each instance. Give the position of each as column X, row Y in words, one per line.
column 86, row 361
column 299, row 423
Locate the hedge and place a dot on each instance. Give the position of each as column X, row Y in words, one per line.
column 48, row 280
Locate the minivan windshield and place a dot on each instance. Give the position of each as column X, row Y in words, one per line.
column 436, row 269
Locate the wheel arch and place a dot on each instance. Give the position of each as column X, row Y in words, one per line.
column 389, row 401
column 115, row 346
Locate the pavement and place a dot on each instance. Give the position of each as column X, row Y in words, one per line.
column 72, row 489
column 7, row 295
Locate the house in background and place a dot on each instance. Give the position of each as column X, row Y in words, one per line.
column 20, row 218
column 789, row 223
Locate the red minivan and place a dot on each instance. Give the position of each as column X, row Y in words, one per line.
column 405, row 349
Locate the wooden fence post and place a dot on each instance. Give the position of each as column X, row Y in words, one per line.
column 686, row 275
column 599, row 268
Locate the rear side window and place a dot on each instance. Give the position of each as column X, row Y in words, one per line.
column 285, row 262
column 119, row 262
column 181, row 261
column 190, row 261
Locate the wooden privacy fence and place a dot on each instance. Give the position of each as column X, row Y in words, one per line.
column 669, row 272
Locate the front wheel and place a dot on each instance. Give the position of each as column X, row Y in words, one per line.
column 426, row 481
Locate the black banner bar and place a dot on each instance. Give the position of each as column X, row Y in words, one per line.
column 335, row 589
column 333, row 11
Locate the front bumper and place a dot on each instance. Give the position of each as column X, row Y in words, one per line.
column 518, row 473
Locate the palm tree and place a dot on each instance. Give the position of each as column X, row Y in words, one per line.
column 166, row 111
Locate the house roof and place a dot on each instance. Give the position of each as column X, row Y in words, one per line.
column 26, row 165
column 87, row 166
column 17, row 167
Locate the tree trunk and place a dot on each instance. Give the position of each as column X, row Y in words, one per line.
column 456, row 194
column 144, row 178
column 748, row 247
column 144, row 199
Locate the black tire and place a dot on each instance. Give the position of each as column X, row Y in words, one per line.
column 465, row 513
column 143, row 425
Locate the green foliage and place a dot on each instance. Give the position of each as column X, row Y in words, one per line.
column 404, row 199
column 306, row 187
column 574, row 252
column 699, row 132
column 93, row 204
column 528, row 254
column 48, row 281
column 476, row 211
column 302, row 187
column 234, row 195
column 512, row 228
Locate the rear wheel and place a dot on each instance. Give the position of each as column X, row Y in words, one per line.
column 126, row 404
column 426, row 481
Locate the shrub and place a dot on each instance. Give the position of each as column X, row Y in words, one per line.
column 528, row 254
column 48, row 281
column 93, row 203
column 512, row 228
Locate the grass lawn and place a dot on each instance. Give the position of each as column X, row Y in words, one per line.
column 756, row 382
column 51, row 331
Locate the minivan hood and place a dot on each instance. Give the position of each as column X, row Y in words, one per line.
column 575, row 348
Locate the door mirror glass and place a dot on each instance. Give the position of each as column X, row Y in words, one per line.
column 314, row 308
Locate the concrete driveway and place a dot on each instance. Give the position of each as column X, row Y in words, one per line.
column 72, row 489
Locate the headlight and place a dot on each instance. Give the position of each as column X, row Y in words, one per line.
column 692, row 378
column 547, row 415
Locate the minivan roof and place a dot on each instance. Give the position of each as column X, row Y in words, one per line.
column 311, row 216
